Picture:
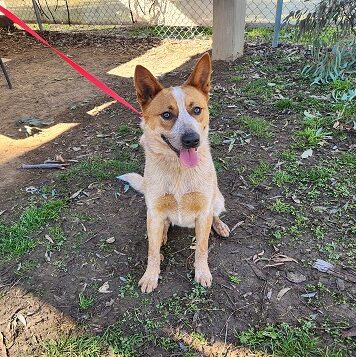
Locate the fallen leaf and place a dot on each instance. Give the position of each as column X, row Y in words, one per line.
column 282, row 292
column 295, row 277
column 104, row 289
column 49, row 238
column 307, row 153
column 48, row 255
column 295, row 199
column 110, row 240
column 2, row 212
column 309, row 295
column 258, row 272
column 76, row 194
column 21, row 318
column 322, row 265
column 340, row 284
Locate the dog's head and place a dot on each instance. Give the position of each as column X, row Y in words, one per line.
column 176, row 119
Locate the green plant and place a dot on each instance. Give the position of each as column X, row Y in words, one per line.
column 129, row 288
column 256, row 126
column 16, row 238
column 234, row 279
column 282, row 207
column 97, row 168
column 259, row 174
column 85, row 302
column 286, row 341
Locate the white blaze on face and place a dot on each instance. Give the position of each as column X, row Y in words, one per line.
column 185, row 123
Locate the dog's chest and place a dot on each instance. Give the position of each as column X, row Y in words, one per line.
column 183, row 210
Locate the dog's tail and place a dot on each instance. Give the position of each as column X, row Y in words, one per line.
column 134, row 180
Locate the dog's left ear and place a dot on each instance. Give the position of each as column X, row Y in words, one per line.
column 201, row 75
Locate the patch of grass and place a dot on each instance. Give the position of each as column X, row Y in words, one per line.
column 285, row 103
column 342, row 85
column 259, row 174
column 237, row 78
column 259, row 33
column 282, row 207
column 286, row 341
column 129, row 288
column 73, row 346
column 98, row 169
column 214, row 108
column 256, row 126
column 124, row 129
column 16, row 239
column 216, row 138
column 234, row 279
column 314, row 130
column 257, row 87
column 57, row 235
column 281, row 178
column 85, row 302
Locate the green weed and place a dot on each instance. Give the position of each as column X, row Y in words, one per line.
column 286, row 341
column 256, row 126
column 259, row 174
column 129, row 288
column 17, row 238
column 85, row 302
column 98, row 169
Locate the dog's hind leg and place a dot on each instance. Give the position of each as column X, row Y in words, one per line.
column 218, row 225
column 167, row 224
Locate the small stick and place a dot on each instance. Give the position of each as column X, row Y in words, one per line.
column 43, row 166
column 3, row 348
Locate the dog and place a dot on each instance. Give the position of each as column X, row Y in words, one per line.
column 179, row 182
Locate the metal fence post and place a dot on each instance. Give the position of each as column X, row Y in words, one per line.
column 277, row 23
column 38, row 15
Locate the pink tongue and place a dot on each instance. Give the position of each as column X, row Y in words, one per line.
column 189, row 157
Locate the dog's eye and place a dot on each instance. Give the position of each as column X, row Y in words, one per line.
column 166, row 115
column 197, row 110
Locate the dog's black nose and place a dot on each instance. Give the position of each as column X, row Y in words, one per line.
column 190, row 140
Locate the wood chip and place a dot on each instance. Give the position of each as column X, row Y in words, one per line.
column 282, row 292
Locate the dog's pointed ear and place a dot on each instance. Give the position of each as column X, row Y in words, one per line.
column 147, row 86
column 201, row 75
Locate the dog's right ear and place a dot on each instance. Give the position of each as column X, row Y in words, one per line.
column 147, row 86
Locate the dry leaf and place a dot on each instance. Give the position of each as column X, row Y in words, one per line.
column 282, row 292
column 307, row 153
column 110, row 240
column 48, row 255
column 21, row 318
column 104, row 289
column 295, row 277
column 49, row 238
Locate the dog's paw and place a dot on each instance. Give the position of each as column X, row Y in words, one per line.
column 148, row 282
column 221, row 228
column 203, row 276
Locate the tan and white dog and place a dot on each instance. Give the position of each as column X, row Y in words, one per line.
column 179, row 182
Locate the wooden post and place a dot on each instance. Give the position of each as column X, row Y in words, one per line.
column 228, row 29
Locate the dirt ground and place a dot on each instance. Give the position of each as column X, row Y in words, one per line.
column 249, row 288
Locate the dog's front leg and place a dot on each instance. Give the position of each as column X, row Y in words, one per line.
column 202, row 232
column 155, row 227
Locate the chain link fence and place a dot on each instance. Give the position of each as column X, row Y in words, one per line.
column 166, row 18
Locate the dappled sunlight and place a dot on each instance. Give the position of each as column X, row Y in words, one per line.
column 218, row 348
column 12, row 148
column 26, row 320
column 164, row 58
column 96, row 110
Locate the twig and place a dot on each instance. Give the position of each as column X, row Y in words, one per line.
column 3, row 346
column 44, row 166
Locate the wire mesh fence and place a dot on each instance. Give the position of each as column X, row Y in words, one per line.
column 165, row 18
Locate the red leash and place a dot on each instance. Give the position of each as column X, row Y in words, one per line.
column 73, row 64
